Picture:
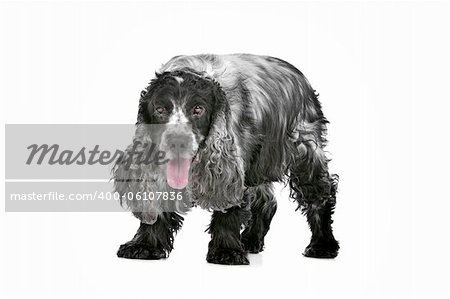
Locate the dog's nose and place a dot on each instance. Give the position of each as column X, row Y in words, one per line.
column 178, row 142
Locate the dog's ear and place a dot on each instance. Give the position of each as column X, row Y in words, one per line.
column 132, row 178
column 217, row 177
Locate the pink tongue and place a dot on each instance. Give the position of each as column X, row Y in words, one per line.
column 177, row 172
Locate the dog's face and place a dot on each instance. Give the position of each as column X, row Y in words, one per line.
column 181, row 104
column 192, row 125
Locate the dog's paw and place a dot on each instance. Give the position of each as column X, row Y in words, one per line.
column 253, row 245
column 322, row 250
column 225, row 256
column 133, row 250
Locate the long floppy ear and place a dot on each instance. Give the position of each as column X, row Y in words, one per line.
column 217, row 176
column 130, row 177
column 133, row 178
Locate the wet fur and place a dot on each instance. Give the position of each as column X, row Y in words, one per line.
column 267, row 126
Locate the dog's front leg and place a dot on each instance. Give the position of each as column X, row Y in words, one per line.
column 153, row 241
column 225, row 246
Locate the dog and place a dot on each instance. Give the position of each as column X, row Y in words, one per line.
column 231, row 126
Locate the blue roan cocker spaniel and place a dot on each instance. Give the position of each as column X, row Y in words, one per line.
column 230, row 126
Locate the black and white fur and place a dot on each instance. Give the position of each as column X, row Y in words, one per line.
column 261, row 123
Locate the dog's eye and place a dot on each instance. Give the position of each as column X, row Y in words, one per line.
column 198, row 110
column 160, row 109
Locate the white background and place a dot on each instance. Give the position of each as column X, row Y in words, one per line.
column 382, row 71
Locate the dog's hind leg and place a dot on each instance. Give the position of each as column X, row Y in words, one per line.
column 263, row 207
column 153, row 241
column 315, row 190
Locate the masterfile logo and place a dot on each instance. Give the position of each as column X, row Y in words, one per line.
column 63, row 167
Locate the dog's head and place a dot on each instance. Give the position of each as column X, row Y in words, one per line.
column 194, row 116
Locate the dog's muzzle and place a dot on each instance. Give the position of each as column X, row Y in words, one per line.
column 177, row 142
